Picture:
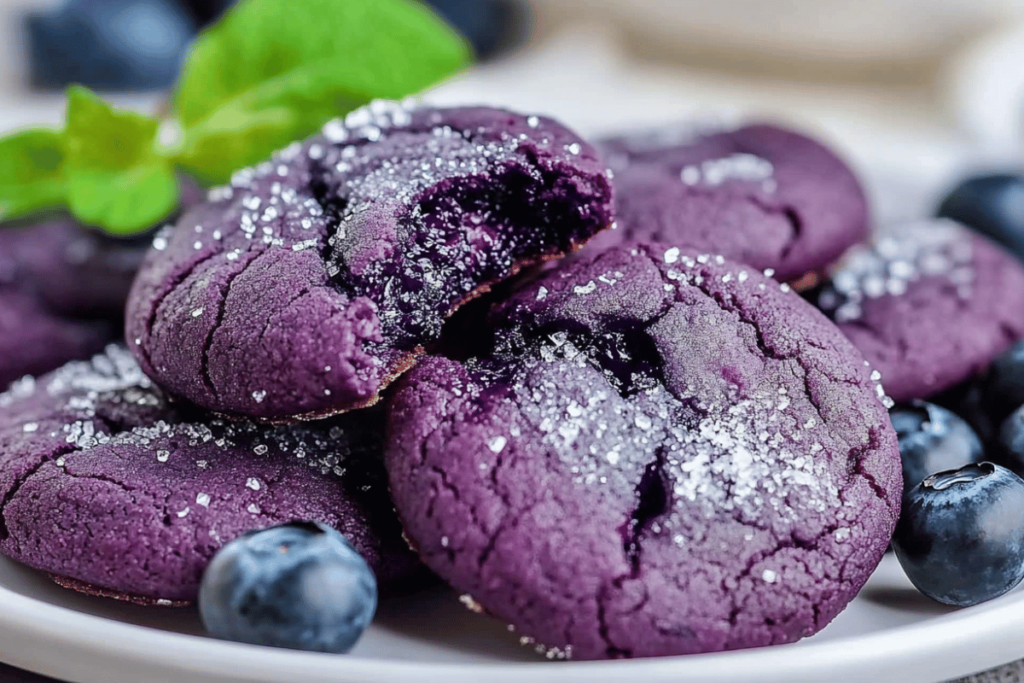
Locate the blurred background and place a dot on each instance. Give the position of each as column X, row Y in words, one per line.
column 915, row 93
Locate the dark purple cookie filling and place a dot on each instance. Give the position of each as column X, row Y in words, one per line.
column 668, row 453
column 928, row 304
column 315, row 279
column 104, row 482
column 758, row 194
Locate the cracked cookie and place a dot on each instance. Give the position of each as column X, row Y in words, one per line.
column 929, row 304
column 667, row 453
column 759, row 194
column 317, row 278
column 113, row 490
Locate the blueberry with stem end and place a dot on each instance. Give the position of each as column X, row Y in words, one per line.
column 960, row 536
column 932, row 439
column 298, row 585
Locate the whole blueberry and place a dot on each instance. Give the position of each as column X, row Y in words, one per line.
column 299, row 585
column 960, row 536
column 932, row 439
column 991, row 204
column 109, row 44
column 1002, row 389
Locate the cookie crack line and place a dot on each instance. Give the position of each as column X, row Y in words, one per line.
column 19, row 481
column 780, row 545
column 612, row 650
column 791, row 216
column 654, row 498
column 219, row 320
column 857, row 456
column 767, row 350
column 170, row 286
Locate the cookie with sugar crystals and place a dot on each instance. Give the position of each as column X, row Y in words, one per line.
column 667, row 453
column 117, row 492
column 929, row 304
column 318, row 277
column 757, row 194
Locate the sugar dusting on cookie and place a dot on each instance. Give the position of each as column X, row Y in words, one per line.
column 740, row 167
column 895, row 259
column 730, row 457
column 728, row 453
column 114, row 378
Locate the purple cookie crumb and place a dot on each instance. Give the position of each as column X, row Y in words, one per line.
column 315, row 279
column 105, row 483
column 667, row 454
column 929, row 304
column 759, row 194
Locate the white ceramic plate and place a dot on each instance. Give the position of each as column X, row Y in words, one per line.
column 889, row 633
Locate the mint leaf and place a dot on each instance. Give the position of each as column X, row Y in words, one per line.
column 116, row 178
column 30, row 177
column 273, row 71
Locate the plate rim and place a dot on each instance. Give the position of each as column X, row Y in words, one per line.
column 940, row 648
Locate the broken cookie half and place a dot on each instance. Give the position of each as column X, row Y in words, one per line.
column 314, row 280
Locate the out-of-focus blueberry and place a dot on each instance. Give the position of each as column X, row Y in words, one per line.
column 1011, row 440
column 109, row 44
column 991, row 204
column 491, row 26
column 1002, row 390
column 206, row 11
column 298, row 585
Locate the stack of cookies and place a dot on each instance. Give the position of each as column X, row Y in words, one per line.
column 653, row 446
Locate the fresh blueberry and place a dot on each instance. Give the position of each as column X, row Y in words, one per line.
column 992, row 205
column 109, row 44
column 298, row 585
column 1002, row 389
column 491, row 26
column 932, row 439
column 960, row 536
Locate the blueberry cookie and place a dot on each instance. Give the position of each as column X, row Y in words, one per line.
column 759, row 194
column 107, row 485
column 667, row 453
column 317, row 278
column 928, row 304
column 62, row 291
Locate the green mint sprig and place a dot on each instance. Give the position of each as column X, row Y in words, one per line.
column 268, row 73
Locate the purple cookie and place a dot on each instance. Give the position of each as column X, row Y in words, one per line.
column 318, row 277
column 34, row 339
column 62, row 291
column 759, row 194
column 107, row 484
column 668, row 454
column 928, row 304
column 58, row 283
